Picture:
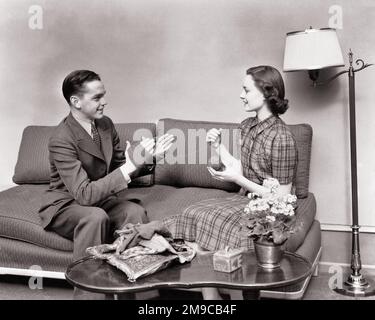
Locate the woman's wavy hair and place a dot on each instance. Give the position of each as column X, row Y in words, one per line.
column 269, row 81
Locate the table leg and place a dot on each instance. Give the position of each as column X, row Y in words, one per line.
column 124, row 296
column 251, row 294
column 236, row 294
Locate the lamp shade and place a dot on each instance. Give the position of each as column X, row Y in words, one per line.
column 312, row 49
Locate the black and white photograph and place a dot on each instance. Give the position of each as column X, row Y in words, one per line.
column 171, row 152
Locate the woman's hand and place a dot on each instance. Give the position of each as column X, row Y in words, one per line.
column 214, row 137
column 231, row 173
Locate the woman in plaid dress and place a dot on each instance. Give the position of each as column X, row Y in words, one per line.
column 268, row 150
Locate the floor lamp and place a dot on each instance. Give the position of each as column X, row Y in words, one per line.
column 313, row 50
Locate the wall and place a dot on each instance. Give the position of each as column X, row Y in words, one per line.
column 186, row 59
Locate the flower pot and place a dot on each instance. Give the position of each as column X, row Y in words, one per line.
column 268, row 254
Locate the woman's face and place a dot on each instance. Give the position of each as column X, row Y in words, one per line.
column 251, row 96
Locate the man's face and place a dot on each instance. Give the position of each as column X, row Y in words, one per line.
column 90, row 104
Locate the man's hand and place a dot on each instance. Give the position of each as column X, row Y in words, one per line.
column 148, row 144
column 162, row 145
column 157, row 150
column 152, row 151
column 128, row 168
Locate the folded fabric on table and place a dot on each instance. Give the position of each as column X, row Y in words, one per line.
column 141, row 250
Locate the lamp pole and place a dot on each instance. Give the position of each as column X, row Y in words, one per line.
column 303, row 53
column 356, row 284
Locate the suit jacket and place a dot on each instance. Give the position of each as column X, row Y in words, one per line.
column 80, row 171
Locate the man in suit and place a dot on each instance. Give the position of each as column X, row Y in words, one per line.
column 89, row 169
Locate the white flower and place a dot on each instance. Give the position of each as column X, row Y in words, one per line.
column 289, row 210
column 289, row 198
column 258, row 205
column 275, row 210
column 278, row 207
column 271, row 201
column 263, row 205
column 270, row 218
column 272, row 204
column 272, row 184
column 252, row 205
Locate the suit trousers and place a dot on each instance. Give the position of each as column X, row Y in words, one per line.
column 90, row 226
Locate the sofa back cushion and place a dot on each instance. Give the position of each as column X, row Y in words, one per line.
column 180, row 169
column 133, row 132
column 186, row 163
column 303, row 135
column 32, row 165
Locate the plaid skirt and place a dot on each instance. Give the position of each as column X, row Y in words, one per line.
column 213, row 223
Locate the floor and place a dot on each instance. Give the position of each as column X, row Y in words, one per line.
column 23, row 288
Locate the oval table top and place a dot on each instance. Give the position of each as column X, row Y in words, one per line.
column 98, row 276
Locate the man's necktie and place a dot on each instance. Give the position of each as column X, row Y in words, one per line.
column 95, row 135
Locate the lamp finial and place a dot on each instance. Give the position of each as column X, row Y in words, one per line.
column 350, row 54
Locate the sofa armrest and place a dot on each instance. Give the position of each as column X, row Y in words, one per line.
column 305, row 214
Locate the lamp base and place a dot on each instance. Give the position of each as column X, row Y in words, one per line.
column 356, row 286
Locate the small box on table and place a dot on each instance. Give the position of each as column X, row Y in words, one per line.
column 227, row 260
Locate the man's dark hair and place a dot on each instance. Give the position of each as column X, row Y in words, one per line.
column 74, row 82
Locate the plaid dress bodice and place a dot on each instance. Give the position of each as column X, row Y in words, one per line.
column 268, row 150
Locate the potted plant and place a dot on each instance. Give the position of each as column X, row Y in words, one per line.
column 269, row 221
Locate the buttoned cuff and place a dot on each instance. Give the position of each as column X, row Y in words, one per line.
column 125, row 174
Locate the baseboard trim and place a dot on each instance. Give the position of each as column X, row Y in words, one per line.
column 32, row 273
column 345, row 228
column 327, row 264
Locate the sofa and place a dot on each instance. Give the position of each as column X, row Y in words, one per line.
column 178, row 181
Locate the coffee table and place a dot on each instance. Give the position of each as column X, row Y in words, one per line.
column 98, row 276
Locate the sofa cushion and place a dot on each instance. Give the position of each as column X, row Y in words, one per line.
column 186, row 163
column 179, row 169
column 24, row 255
column 32, row 165
column 19, row 218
